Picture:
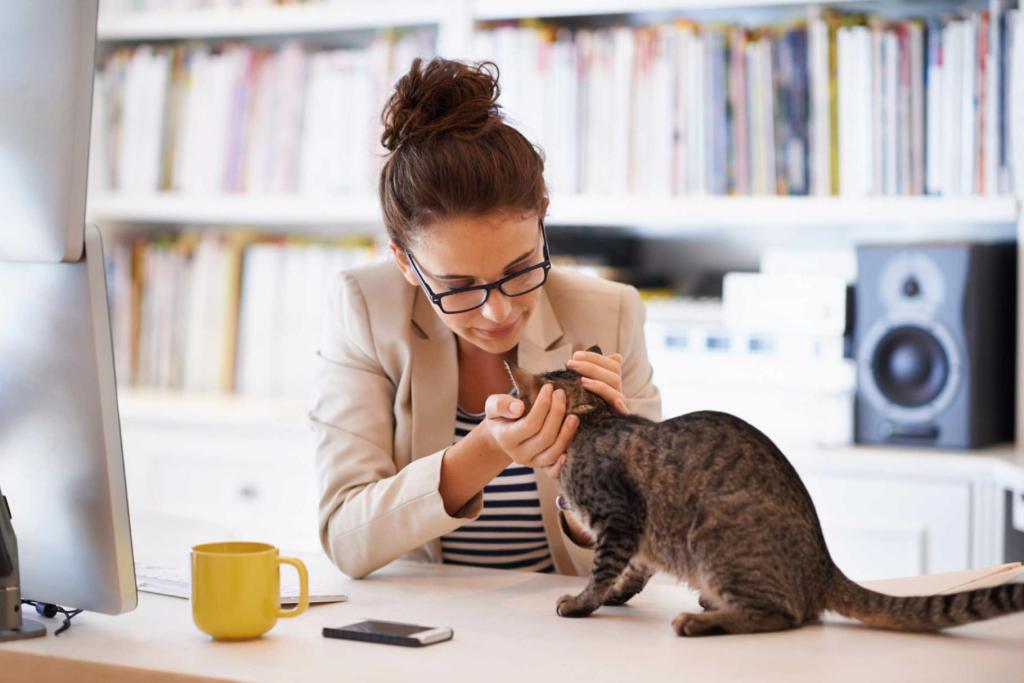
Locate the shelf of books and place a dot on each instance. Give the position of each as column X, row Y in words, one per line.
column 843, row 104
column 653, row 114
column 224, row 311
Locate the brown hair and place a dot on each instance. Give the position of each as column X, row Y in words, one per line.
column 451, row 152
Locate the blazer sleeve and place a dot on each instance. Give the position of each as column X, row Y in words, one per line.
column 642, row 397
column 369, row 512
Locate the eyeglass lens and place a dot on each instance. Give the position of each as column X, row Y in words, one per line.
column 521, row 284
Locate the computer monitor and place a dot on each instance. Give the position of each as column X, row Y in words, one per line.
column 47, row 53
column 61, row 465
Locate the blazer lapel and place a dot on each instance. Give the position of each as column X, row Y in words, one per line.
column 543, row 349
column 435, row 380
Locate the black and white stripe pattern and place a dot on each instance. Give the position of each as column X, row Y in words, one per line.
column 509, row 533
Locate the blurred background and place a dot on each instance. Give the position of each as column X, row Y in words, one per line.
column 820, row 203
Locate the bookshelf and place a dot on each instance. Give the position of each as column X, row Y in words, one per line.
column 251, row 453
column 454, row 23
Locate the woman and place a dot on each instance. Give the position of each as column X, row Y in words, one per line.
column 421, row 450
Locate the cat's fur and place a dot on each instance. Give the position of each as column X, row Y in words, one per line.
column 709, row 499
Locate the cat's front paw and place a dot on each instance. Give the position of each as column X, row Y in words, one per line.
column 572, row 606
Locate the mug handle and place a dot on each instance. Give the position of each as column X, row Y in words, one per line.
column 303, row 588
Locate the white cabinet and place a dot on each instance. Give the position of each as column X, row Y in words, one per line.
column 900, row 511
column 880, row 527
column 254, row 478
column 247, row 468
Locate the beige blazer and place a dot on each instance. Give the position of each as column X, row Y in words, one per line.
column 384, row 409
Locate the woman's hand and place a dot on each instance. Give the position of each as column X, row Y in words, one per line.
column 537, row 440
column 602, row 375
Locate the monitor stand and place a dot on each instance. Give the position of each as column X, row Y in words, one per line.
column 12, row 626
column 28, row 629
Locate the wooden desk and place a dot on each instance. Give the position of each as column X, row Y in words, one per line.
column 505, row 629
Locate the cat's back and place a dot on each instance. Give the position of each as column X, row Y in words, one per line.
column 711, row 424
column 709, row 439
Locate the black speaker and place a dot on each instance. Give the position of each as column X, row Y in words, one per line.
column 935, row 344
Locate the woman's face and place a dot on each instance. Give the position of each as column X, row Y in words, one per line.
column 475, row 251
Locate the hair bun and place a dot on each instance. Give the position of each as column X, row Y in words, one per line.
column 445, row 97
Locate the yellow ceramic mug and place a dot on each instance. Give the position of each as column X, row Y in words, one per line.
column 236, row 589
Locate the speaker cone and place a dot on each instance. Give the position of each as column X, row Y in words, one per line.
column 910, row 366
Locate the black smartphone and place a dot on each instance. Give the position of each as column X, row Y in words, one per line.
column 390, row 632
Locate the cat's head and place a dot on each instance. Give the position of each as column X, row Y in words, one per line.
column 578, row 400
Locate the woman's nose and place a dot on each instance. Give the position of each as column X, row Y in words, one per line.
column 497, row 307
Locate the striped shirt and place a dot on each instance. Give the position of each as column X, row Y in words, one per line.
column 509, row 533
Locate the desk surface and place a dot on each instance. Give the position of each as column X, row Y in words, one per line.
column 505, row 629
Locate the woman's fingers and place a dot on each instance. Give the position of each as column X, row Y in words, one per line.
column 595, row 371
column 597, row 357
column 601, row 375
column 607, row 369
column 503, row 406
column 548, row 432
column 609, row 394
column 612, row 362
column 534, row 420
column 565, row 435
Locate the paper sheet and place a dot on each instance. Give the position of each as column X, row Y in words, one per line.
column 950, row 582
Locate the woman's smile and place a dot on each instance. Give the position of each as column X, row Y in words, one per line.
column 501, row 332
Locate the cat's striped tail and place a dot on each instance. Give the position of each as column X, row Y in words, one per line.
column 921, row 613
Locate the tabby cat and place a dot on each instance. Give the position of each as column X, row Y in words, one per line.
column 711, row 500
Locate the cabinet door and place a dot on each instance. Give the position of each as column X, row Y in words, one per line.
column 887, row 527
column 261, row 488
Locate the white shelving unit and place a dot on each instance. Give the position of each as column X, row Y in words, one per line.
column 245, row 466
column 666, row 213
column 455, row 21
column 264, row 210
column 488, row 10
column 158, row 426
column 281, row 20
column 245, row 413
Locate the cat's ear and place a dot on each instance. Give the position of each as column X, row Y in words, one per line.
column 595, row 349
column 583, row 408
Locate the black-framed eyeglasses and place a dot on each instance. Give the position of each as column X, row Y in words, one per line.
column 464, row 299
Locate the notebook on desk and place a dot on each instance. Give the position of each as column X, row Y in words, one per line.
column 176, row 582
column 949, row 582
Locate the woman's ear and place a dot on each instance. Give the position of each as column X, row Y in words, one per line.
column 402, row 261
